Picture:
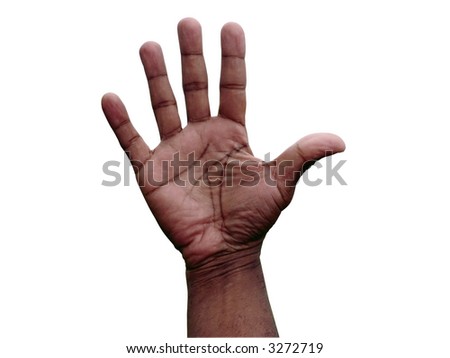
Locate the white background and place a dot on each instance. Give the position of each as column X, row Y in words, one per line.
column 363, row 268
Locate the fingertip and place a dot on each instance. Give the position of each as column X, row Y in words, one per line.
column 233, row 40
column 114, row 109
column 149, row 48
column 188, row 23
column 232, row 28
column 326, row 142
column 190, row 36
column 153, row 59
column 108, row 99
column 336, row 144
column 109, row 96
column 341, row 144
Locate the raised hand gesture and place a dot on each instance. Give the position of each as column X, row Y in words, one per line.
column 213, row 199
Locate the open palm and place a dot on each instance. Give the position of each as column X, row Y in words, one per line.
column 208, row 192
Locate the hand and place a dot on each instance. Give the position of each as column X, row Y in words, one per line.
column 222, row 199
column 212, row 198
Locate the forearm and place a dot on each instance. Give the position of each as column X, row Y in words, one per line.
column 228, row 298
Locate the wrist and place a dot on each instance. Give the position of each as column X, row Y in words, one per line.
column 228, row 265
column 227, row 297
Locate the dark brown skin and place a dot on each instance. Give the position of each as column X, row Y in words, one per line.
column 218, row 228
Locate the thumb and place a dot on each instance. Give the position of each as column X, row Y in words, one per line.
column 295, row 160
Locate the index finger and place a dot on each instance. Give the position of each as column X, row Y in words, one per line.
column 233, row 78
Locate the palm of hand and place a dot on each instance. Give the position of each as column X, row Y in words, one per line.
column 214, row 205
column 206, row 214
